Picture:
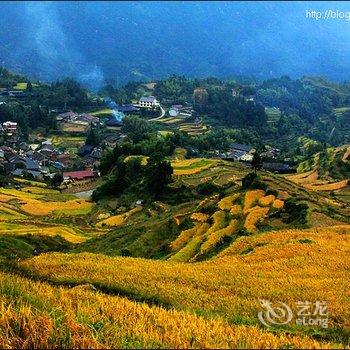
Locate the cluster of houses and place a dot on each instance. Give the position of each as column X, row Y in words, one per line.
column 41, row 160
column 239, row 152
column 245, row 153
column 271, row 153
column 38, row 162
column 74, row 122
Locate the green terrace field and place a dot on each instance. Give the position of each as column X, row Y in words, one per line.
column 35, row 211
column 182, row 124
column 104, row 112
column 23, row 86
column 341, row 110
column 273, row 114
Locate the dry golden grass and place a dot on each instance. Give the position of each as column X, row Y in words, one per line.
column 251, row 198
column 267, row 200
column 329, row 186
column 287, row 266
column 236, row 210
column 201, row 217
column 255, row 215
column 68, row 233
column 227, row 202
column 278, row 204
column 42, row 316
column 118, row 220
column 216, row 236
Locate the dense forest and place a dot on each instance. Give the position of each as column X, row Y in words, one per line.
column 34, row 107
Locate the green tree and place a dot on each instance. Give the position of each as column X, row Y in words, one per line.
column 256, row 162
column 136, row 128
column 56, row 180
column 29, row 87
column 92, row 138
column 158, row 176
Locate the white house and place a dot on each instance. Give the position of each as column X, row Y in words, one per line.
column 247, row 157
column 10, row 127
column 148, row 102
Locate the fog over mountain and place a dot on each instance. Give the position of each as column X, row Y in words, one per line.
column 99, row 42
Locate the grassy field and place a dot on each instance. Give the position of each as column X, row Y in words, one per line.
column 308, row 265
column 23, row 86
column 68, row 141
column 37, row 315
column 26, row 211
column 192, row 166
column 102, row 112
column 215, row 257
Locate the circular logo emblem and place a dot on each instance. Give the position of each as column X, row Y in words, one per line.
column 274, row 314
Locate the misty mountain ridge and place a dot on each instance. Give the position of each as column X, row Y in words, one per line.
column 99, row 43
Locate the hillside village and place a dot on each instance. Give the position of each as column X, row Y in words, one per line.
column 40, row 157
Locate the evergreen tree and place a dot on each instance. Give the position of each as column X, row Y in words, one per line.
column 256, row 162
column 29, row 87
column 159, row 175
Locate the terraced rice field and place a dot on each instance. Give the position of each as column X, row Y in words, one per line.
column 235, row 212
column 273, row 115
column 308, row 265
column 192, row 166
column 193, row 128
column 311, row 181
column 54, row 317
column 118, row 220
column 25, row 211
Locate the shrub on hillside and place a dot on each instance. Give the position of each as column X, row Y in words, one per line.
column 297, row 212
column 207, row 188
column 253, row 181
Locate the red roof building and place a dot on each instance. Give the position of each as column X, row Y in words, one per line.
column 79, row 175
